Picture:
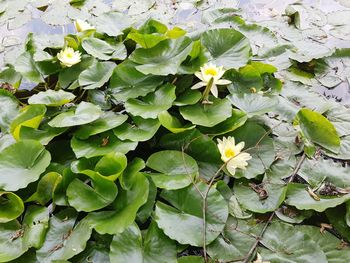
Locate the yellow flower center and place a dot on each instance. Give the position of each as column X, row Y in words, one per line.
column 211, row 71
column 229, row 153
column 70, row 55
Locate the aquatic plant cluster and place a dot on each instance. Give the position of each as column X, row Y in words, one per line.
column 145, row 143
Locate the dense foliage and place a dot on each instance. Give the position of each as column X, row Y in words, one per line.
column 124, row 151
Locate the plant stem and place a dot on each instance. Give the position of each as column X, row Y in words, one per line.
column 206, row 92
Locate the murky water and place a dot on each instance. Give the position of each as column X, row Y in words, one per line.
column 182, row 13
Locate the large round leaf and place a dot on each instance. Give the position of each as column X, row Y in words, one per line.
column 299, row 196
column 177, row 169
column 9, row 109
column 172, row 123
column 207, row 115
column 107, row 121
column 129, row 246
column 284, row 247
column 22, row 163
column 126, row 82
column 103, row 50
column 84, row 197
column 44, row 135
column 153, row 104
column 228, row 47
column 251, row 200
column 100, row 144
column 139, row 130
column 52, row 98
column 85, row 113
column 11, row 206
column 164, row 58
column 318, row 129
column 96, row 75
column 187, row 213
column 126, row 206
column 64, row 238
column 30, row 116
column 236, row 240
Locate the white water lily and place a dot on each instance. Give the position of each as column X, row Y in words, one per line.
column 68, row 57
column 231, row 154
column 81, row 25
column 208, row 72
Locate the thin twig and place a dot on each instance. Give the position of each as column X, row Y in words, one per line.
column 297, row 167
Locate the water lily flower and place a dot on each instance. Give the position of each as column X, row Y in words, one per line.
column 211, row 73
column 81, row 25
column 231, row 154
column 69, row 57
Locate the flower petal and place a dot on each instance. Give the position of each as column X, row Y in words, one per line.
column 198, row 85
column 214, row 90
column 223, row 82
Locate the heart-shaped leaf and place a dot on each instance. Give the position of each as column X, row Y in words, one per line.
column 11, row 206
column 52, row 98
column 96, row 75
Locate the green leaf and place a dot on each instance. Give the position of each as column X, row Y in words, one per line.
column 22, row 163
column 45, row 188
column 35, row 224
column 126, row 82
column 187, row 212
column 107, row 121
column 251, row 200
column 110, row 166
column 176, row 169
column 26, row 65
column 84, row 113
column 64, row 239
column 207, row 115
column 44, row 135
column 51, row 98
column 259, row 145
column 235, row 242
column 9, row 109
column 318, row 129
column 227, row 47
column 172, row 123
column 126, row 206
column 11, row 206
column 84, row 197
column 190, row 259
column 100, row 144
column 329, row 243
column 103, row 50
column 253, row 103
column 139, row 130
column 30, row 116
column 153, row 104
column 96, row 75
column 155, row 247
column 164, row 58
column 146, row 40
column 237, row 119
column 298, row 196
column 284, row 247
column 111, row 23
column 68, row 75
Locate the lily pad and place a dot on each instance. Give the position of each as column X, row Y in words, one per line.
column 52, row 98
column 11, row 206
column 21, row 164
column 96, row 75
column 227, row 47
column 187, row 212
column 176, row 169
column 207, row 115
column 103, row 50
column 153, row 104
column 84, row 113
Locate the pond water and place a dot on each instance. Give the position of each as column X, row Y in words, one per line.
column 19, row 17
